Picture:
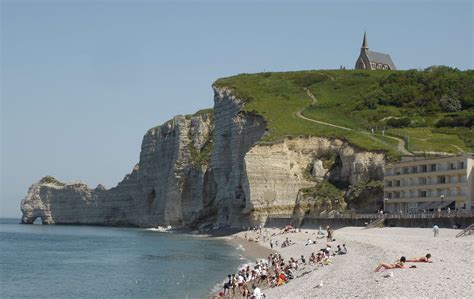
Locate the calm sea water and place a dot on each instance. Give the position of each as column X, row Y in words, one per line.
column 103, row 262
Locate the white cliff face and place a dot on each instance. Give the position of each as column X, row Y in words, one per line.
column 277, row 172
column 157, row 192
column 208, row 168
column 236, row 131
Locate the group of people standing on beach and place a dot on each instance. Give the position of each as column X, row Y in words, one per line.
column 275, row 270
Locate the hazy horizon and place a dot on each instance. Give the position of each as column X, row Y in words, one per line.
column 83, row 81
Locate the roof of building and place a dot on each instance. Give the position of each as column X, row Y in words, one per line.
column 422, row 160
column 365, row 44
column 381, row 58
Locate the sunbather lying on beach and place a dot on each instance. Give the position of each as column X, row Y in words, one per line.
column 423, row 259
column 397, row 265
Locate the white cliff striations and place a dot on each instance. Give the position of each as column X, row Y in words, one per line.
column 207, row 168
column 166, row 187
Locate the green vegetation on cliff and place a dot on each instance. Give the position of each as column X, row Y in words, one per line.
column 432, row 110
column 202, row 156
column 51, row 180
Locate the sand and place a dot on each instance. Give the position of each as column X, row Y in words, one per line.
column 449, row 276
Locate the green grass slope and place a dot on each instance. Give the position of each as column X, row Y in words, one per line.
column 431, row 110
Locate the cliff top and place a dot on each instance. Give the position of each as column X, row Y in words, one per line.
column 428, row 111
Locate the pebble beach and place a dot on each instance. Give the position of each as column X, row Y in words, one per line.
column 352, row 275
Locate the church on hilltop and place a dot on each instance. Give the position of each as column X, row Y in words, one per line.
column 370, row 60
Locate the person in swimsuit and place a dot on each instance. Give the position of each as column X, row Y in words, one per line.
column 423, row 259
column 397, row 265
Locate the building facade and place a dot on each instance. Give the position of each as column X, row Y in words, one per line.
column 371, row 60
column 416, row 185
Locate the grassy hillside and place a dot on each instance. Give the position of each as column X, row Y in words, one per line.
column 432, row 110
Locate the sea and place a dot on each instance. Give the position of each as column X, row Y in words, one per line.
column 58, row 261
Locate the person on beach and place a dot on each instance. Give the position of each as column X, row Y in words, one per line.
column 228, row 285
column 282, row 279
column 271, row 243
column 423, row 259
column 257, row 293
column 245, row 291
column 264, row 276
column 303, row 260
column 436, row 230
column 330, row 234
column 320, row 257
column 233, row 281
column 240, row 281
column 341, row 251
column 397, row 265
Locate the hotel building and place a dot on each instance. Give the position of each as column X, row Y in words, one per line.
column 415, row 185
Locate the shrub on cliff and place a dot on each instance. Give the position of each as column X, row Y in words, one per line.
column 50, row 180
column 398, row 122
column 324, row 196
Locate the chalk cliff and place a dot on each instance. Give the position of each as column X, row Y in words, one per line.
column 207, row 168
column 166, row 187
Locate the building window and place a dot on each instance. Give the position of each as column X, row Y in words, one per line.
column 398, row 184
column 422, row 193
column 441, row 179
column 433, row 167
column 451, row 166
column 424, row 168
column 414, row 169
column 461, row 165
column 390, row 184
column 422, row 181
column 452, row 179
column 405, row 170
column 412, row 207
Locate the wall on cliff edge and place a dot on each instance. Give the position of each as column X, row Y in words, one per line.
column 210, row 168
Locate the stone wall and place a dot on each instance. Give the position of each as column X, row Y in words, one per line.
column 335, row 223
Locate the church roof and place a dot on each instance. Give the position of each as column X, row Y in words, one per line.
column 365, row 44
column 380, row 58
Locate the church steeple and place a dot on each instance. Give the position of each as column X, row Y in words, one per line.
column 365, row 44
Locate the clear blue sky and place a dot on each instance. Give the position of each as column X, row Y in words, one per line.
column 82, row 81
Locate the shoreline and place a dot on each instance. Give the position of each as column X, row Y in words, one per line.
column 249, row 251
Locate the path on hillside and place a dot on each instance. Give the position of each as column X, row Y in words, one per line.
column 459, row 148
column 401, row 146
